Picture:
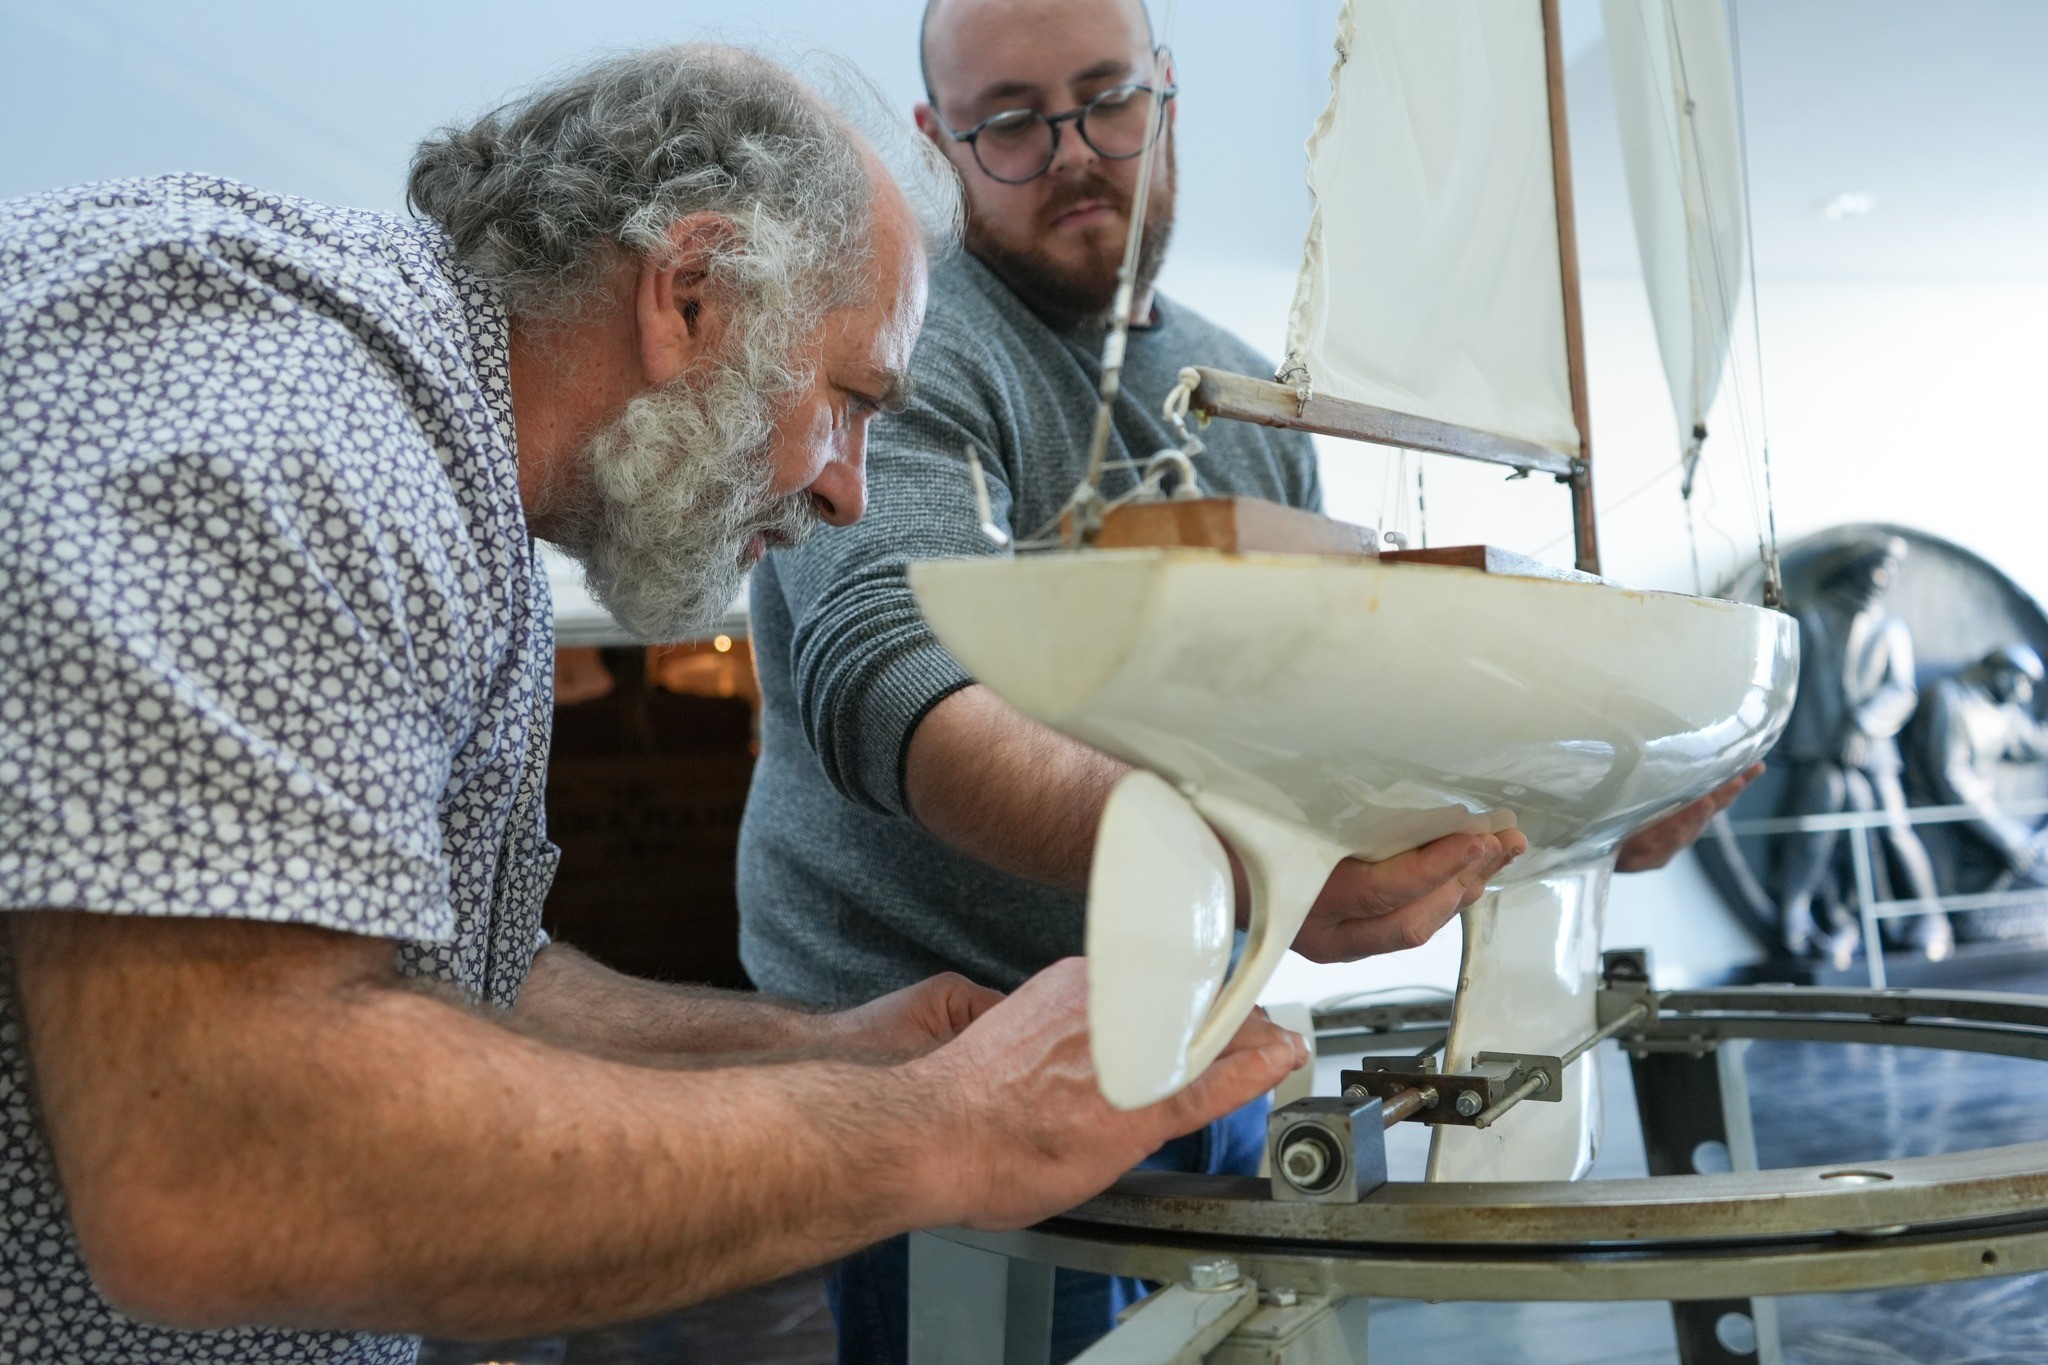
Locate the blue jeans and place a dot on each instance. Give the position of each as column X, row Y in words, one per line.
column 870, row 1290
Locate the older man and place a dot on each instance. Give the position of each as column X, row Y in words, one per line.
column 905, row 820
column 282, row 1068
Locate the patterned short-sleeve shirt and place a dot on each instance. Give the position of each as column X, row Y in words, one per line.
column 274, row 643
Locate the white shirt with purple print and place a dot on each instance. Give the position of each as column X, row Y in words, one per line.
column 274, row 643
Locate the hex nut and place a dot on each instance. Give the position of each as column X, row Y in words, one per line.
column 1213, row 1273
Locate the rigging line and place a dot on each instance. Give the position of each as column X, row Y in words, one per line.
column 1607, row 508
column 1692, row 540
column 1113, row 346
column 1761, row 508
column 1669, row 122
column 1774, row 583
column 1421, row 503
column 1707, row 515
column 1724, row 291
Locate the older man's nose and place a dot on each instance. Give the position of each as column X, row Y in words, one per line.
column 840, row 492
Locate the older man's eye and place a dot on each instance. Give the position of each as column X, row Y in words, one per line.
column 857, row 409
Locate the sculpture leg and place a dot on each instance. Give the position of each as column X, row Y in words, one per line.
column 1931, row 934
column 1804, row 858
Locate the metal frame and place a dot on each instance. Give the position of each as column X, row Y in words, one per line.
column 1716, row 1240
column 1859, row 825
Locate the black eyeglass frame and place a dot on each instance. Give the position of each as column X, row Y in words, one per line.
column 1078, row 116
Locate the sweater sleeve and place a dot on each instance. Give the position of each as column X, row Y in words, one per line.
column 864, row 667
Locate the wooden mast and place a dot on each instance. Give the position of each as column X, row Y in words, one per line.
column 1586, row 536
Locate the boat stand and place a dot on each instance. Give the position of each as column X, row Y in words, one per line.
column 1256, row 1276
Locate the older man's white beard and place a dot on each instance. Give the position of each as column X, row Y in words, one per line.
column 673, row 493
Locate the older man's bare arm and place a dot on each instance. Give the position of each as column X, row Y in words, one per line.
column 577, row 1002
column 263, row 1124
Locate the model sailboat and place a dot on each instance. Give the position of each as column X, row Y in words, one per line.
column 1314, row 706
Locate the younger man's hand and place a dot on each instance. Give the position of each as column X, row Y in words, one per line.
column 1384, row 907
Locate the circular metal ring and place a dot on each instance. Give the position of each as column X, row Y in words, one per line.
column 1916, row 1220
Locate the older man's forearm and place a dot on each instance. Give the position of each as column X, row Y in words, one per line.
column 252, row 1127
column 580, row 1003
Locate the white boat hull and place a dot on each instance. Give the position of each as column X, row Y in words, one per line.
column 1311, row 709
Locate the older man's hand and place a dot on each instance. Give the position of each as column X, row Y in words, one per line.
column 1400, row 902
column 1028, row 1133
column 1652, row 846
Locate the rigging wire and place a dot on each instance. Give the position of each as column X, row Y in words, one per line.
column 1421, row 503
column 1607, row 509
column 1681, row 132
column 1774, row 579
column 1085, row 505
column 1757, row 446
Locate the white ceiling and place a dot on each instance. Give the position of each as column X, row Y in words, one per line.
column 1937, row 108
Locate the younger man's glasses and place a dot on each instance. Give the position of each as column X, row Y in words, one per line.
column 1018, row 145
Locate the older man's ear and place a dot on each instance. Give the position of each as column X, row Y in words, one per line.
column 681, row 308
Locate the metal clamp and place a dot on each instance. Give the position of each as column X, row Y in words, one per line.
column 1548, row 1072
column 1439, row 1098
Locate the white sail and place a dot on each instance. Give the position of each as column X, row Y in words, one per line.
column 1431, row 281
column 1674, row 85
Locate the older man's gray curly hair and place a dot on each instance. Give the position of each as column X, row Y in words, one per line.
column 542, row 194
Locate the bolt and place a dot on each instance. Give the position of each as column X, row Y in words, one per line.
column 1212, row 1273
column 1280, row 1298
column 1305, row 1162
column 1357, row 1093
column 1469, row 1103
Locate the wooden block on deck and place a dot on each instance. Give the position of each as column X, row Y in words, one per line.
column 1487, row 559
column 1239, row 524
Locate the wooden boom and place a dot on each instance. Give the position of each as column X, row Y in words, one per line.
column 1223, row 394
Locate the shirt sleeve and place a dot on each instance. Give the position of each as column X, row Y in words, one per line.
column 217, row 588
column 865, row 668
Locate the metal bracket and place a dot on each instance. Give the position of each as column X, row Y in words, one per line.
column 1525, row 1065
column 1179, row 1325
column 1625, row 984
column 1384, row 1083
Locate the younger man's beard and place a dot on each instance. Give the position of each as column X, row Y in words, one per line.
column 1065, row 297
column 670, row 495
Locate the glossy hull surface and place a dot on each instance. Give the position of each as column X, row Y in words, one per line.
column 1311, row 709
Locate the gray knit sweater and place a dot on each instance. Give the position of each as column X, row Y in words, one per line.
column 843, row 896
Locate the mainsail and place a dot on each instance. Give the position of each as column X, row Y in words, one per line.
column 1674, row 85
column 1432, row 282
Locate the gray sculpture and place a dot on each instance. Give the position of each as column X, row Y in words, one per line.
column 1856, row 693
column 1974, row 722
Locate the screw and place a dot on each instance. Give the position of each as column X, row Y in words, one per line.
column 1469, row 1104
column 1212, row 1273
